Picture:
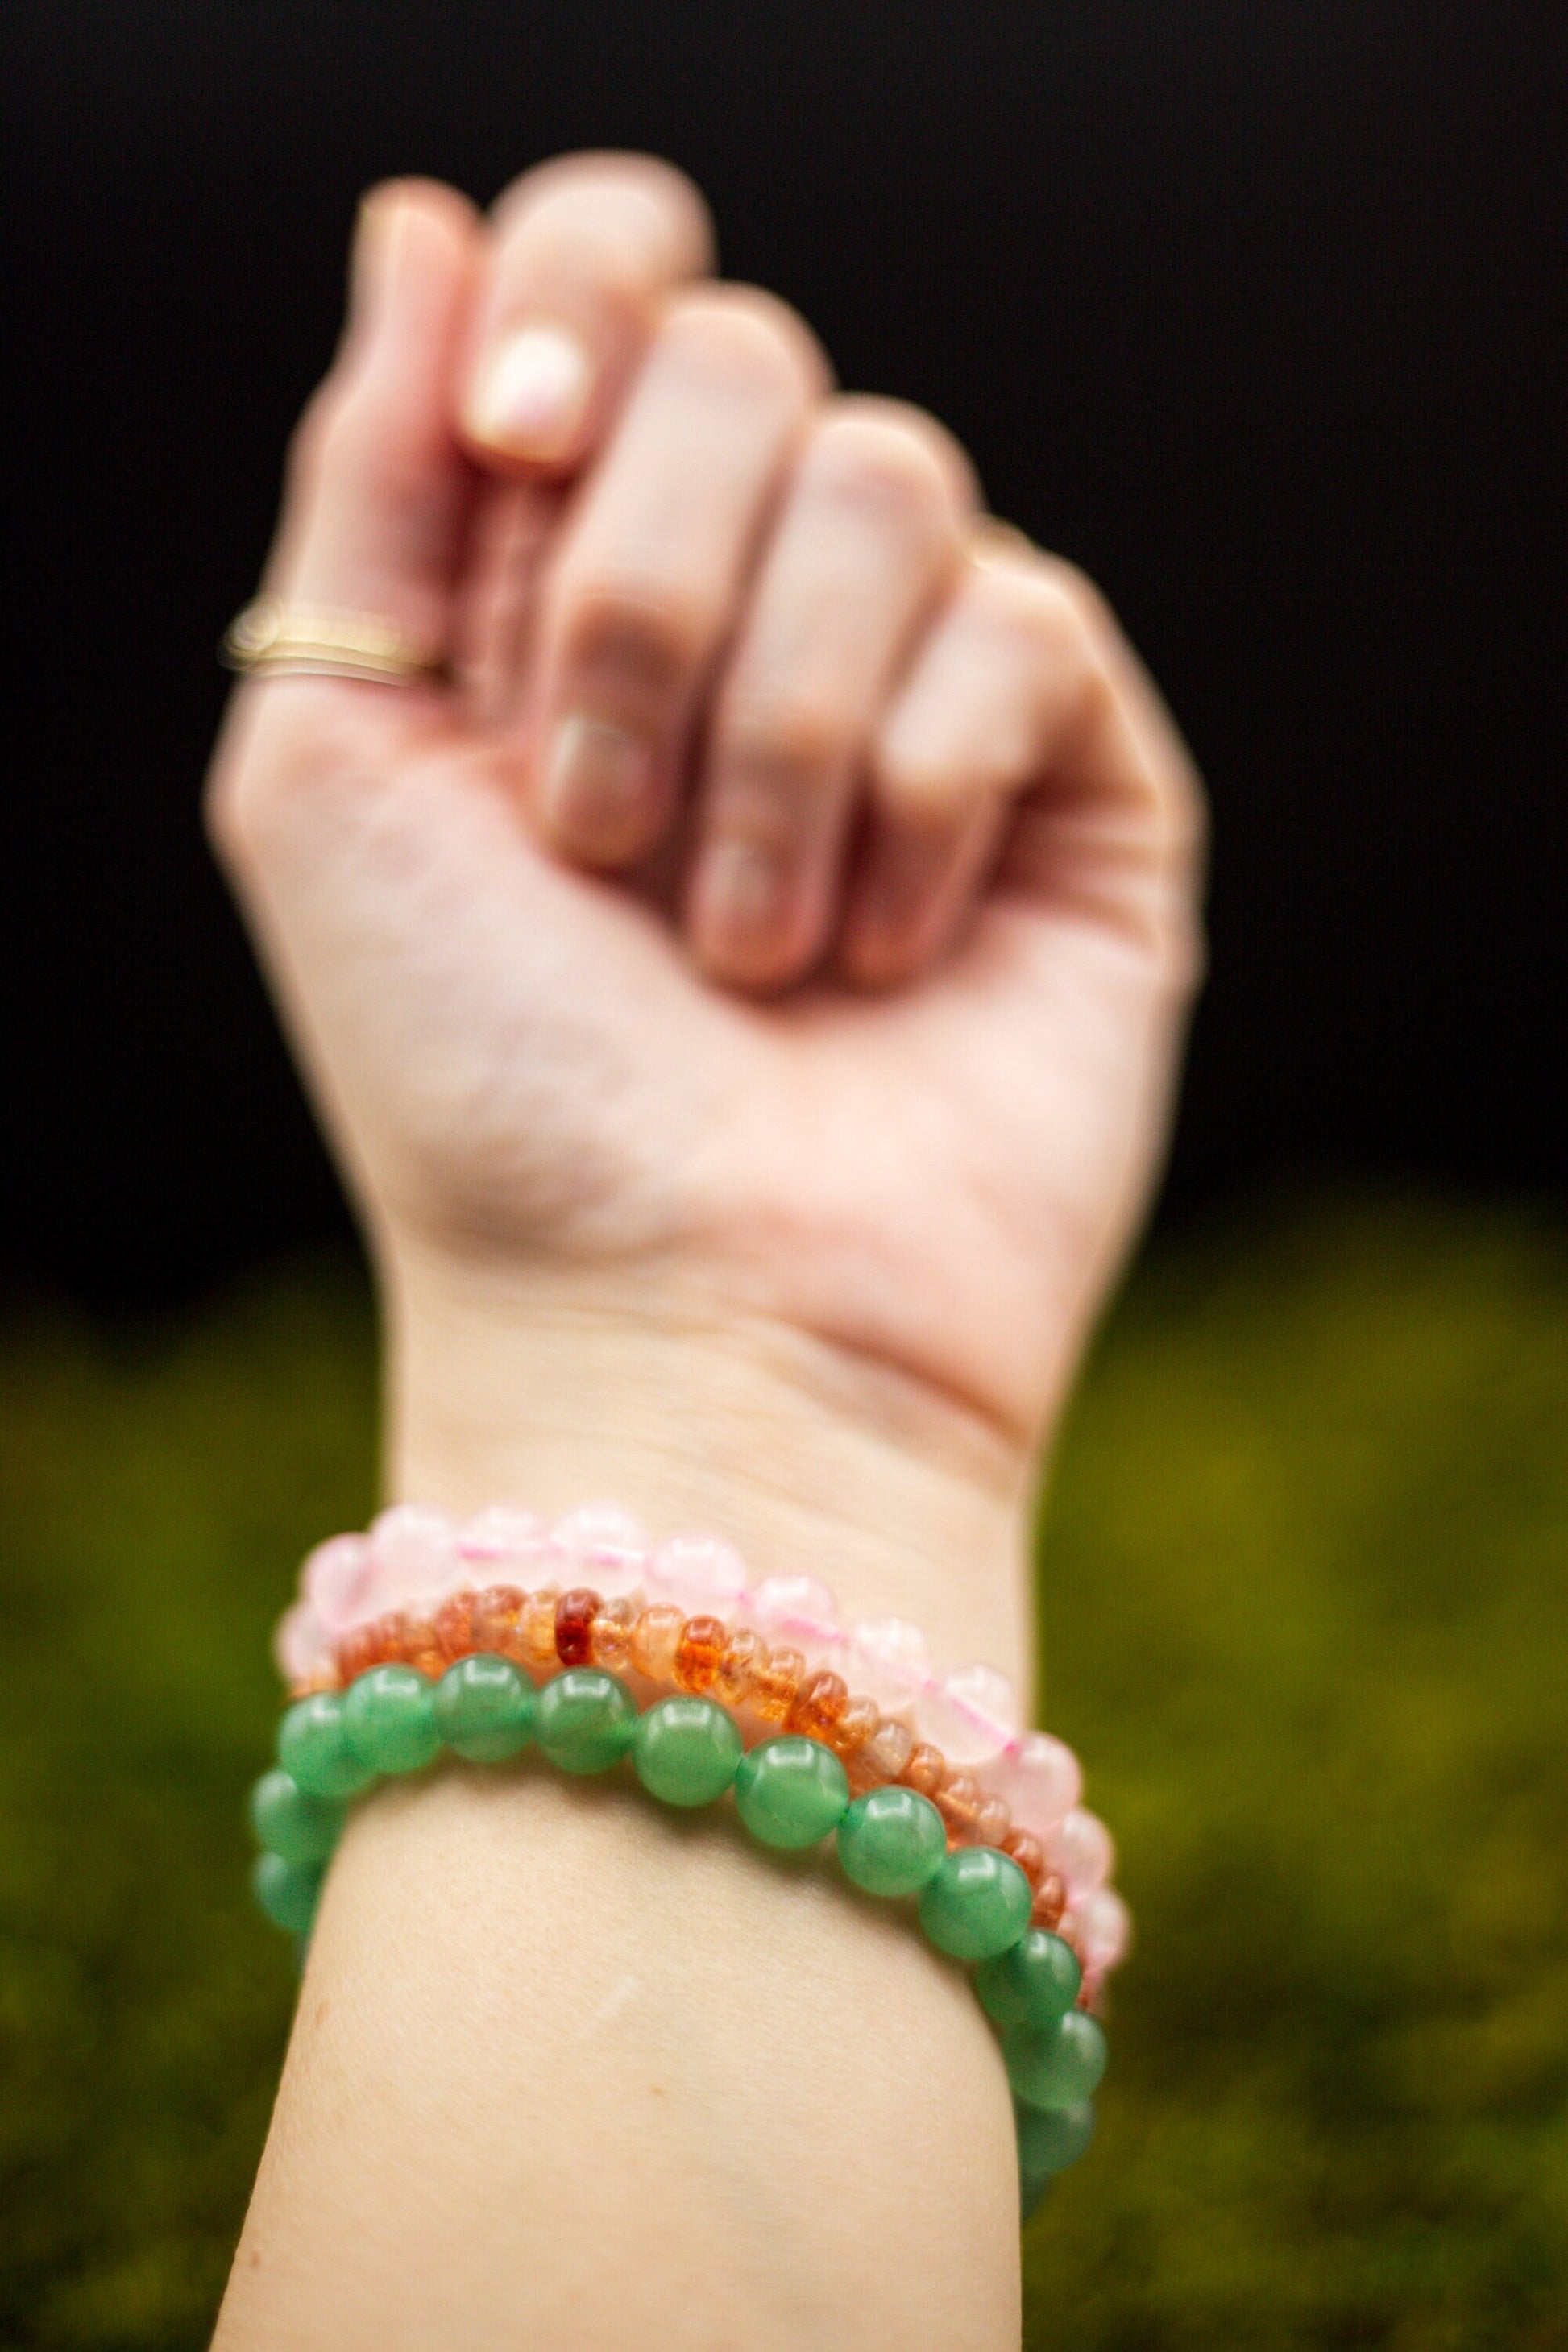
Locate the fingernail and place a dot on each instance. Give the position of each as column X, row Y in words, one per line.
column 740, row 892
column 530, row 393
column 596, row 786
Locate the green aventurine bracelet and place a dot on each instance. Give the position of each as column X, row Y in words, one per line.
column 973, row 1902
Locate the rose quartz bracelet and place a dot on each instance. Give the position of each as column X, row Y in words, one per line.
column 401, row 1634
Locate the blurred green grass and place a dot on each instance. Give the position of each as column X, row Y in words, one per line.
column 1308, row 1621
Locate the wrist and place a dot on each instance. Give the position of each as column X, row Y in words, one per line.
column 551, row 1387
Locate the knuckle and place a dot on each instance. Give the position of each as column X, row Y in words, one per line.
column 795, row 737
column 640, row 632
column 746, row 333
column 885, row 455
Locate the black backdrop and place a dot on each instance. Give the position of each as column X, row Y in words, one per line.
column 1252, row 308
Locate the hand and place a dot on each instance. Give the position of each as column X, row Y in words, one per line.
column 778, row 933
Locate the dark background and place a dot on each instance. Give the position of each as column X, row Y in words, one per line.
column 1253, row 309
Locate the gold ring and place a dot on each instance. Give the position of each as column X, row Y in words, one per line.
column 274, row 638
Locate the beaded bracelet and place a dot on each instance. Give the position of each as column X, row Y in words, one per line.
column 455, row 1663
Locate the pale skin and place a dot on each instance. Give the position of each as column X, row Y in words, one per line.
column 743, row 1001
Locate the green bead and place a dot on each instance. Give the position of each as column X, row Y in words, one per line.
column 389, row 1720
column 891, row 1842
column 1055, row 2065
column 585, row 1719
column 286, row 1891
column 288, row 1823
column 686, row 1751
column 978, row 1904
column 313, row 1748
column 791, row 1791
column 1050, row 2138
column 484, row 1709
column 1034, row 1982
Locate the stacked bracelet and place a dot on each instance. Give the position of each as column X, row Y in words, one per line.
column 483, row 1640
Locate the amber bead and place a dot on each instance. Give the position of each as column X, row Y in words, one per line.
column 575, row 1615
column 882, row 1757
column 925, row 1769
column 1028, row 1854
column 454, row 1624
column 958, row 1802
column 422, row 1649
column 743, row 1652
column 993, row 1821
column 612, row 1636
column 854, row 1727
column 699, row 1655
column 536, row 1629
column 496, row 1612
column 358, row 1650
column 656, row 1639
column 821, row 1701
column 775, row 1684
column 1050, row 1902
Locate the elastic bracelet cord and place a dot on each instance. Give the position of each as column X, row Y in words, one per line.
column 704, row 1710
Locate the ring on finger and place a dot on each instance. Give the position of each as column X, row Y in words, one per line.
column 274, row 637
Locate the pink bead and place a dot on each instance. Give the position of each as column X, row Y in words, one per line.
column 414, row 1552
column 1040, row 1779
column 301, row 1644
column 333, row 1581
column 1079, row 1848
column 886, row 1661
column 702, row 1574
column 496, row 1537
column 604, row 1548
column 971, row 1716
column 1100, row 1926
column 797, row 1611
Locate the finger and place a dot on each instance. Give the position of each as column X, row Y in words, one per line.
column 378, row 489
column 583, row 251
column 870, row 535
column 654, row 560
column 1024, row 718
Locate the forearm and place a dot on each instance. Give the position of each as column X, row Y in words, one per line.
column 569, row 2069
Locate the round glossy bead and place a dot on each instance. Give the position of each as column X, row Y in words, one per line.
column 484, row 1709
column 656, row 1639
column 797, row 1611
column 287, row 1891
column 702, row 1575
column 313, row 1748
column 854, row 1728
column 882, row 1757
column 971, row 1715
column 536, row 1628
column 288, row 1823
column 958, row 1802
column 614, row 1624
column 1102, row 1926
column 887, row 1660
column 496, row 1541
column 925, row 1768
column 1055, row 2065
column 575, row 1615
column 1080, row 1851
column 819, row 1706
column 333, row 1581
column 301, row 1645
column 744, row 1653
column 606, row 1547
column 495, row 1617
column 686, row 1751
column 585, row 1719
column 1028, row 1852
column 977, row 1904
column 1034, row 1982
column 891, row 1842
column 1039, row 1777
column 775, row 1684
column 413, row 1553
column 698, row 1653
column 1049, row 2140
column 453, row 1621
column 791, row 1791
column 389, row 1720
column 993, row 1821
